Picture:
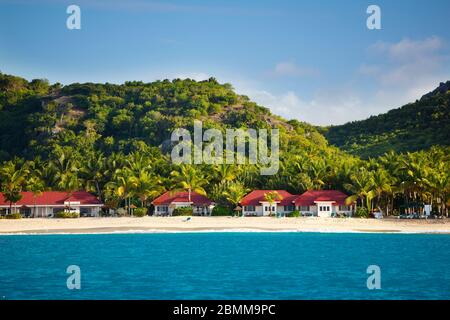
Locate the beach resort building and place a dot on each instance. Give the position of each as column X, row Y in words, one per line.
column 256, row 204
column 321, row 203
column 169, row 201
column 48, row 204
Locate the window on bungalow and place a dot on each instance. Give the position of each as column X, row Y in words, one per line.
column 304, row 208
column 289, row 208
column 249, row 208
column 85, row 211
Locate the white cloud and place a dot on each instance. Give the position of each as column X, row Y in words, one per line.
column 399, row 73
column 327, row 107
column 407, row 49
column 291, row 69
column 368, row 70
column 402, row 72
column 407, row 69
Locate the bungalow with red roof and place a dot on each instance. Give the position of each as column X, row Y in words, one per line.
column 49, row 203
column 167, row 202
column 322, row 203
column 256, row 204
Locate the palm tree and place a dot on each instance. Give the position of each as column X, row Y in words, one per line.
column 13, row 180
column 146, row 186
column 440, row 184
column 136, row 162
column 249, row 175
column 66, row 171
column 189, row 179
column 12, row 196
column 235, row 192
column 414, row 180
column 225, row 172
column 70, row 183
column 361, row 187
column 93, row 173
column 382, row 184
column 36, row 186
column 123, row 186
column 272, row 197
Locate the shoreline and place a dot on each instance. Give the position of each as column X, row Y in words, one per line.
column 107, row 225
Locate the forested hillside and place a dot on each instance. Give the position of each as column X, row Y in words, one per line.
column 37, row 117
column 114, row 140
column 415, row 126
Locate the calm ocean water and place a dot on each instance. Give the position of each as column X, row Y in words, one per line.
column 225, row 266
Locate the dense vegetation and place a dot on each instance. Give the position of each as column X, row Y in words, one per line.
column 113, row 140
column 415, row 126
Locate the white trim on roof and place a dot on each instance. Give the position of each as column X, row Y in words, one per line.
column 52, row 205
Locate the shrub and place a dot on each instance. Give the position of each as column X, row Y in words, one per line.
column 13, row 216
column 362, row 212
column 140, row 212
column 294, row 214
column 221, row 211
column 105, row 213
column 67, row 215
column 121, row 212
column 182, row 211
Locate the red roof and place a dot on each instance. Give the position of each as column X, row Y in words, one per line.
column 255, row 197
column 180, row 197
column 308, row 198
column 53, row 198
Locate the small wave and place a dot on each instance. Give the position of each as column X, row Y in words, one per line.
column 216, row 230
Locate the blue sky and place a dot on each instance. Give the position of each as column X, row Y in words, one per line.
column 315, row 61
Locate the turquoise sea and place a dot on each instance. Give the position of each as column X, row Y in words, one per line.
column 225, row 265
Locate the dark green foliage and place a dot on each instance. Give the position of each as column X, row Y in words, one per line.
column 415, row 126
column 67, row 215
column 222, row 211
column 362, row 212
column 114, row 141
column 182, row 211
column 13, row 216
column 140, row 212
column 294, row 214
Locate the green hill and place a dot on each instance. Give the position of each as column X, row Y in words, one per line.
column 415, row 126
column 114, row 140
column 88, row 121
column 35, row 116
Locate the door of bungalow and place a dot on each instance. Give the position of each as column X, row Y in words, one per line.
column 324, row 209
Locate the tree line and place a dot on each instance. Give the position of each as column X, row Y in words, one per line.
column 114, row 141
column 393, row 183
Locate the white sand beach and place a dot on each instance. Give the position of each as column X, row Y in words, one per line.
column 202, row 224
